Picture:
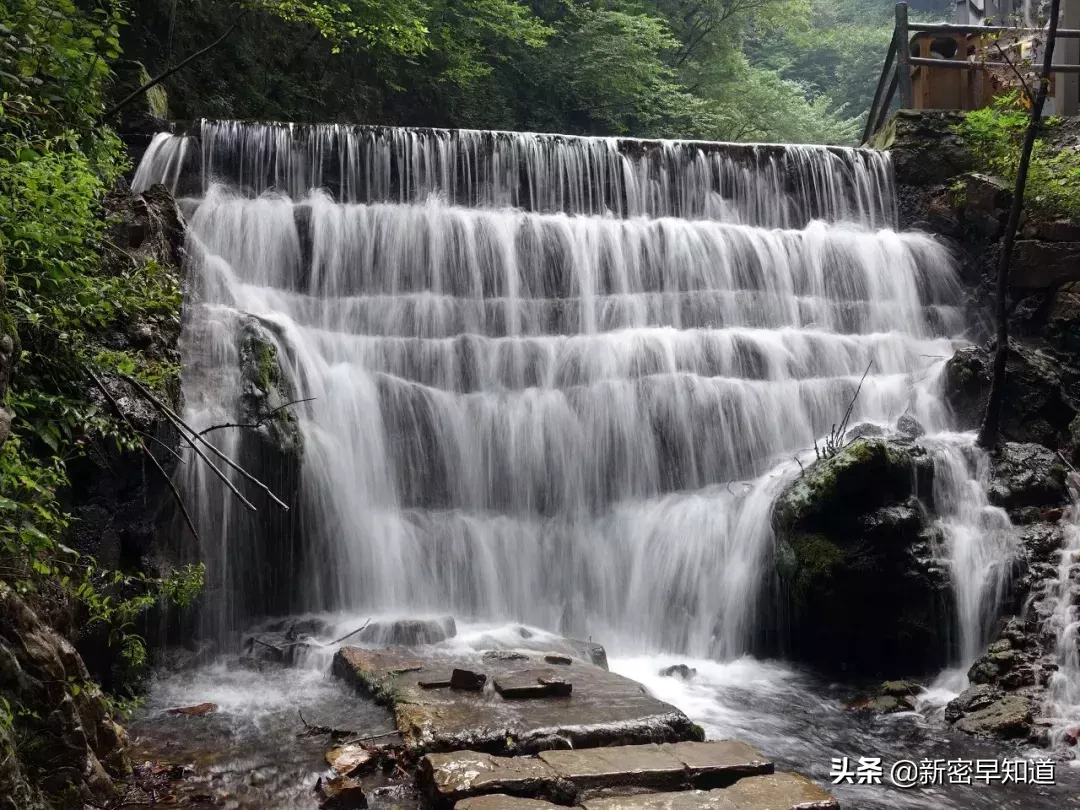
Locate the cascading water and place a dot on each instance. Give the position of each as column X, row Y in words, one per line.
column 565, row 420
column 560, row 381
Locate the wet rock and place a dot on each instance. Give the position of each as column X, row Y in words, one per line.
column 1042, row 542
column 1008, row 717
column 780, row 790
column 1063, row 320
column 867, row 430
column 972, row 699
column 1042, row 265
column 900, row 688
column 351, row 760
column 885, row 704
column 558, row 658
column 604, row 708
column 467, row 680
column 926, row 149
column 409, row 632
column 854, row 555
column 341, row 793
column 440, row 681
column 504, row 655
column 198, row 710
column 1026, row 475
column 531, row 684
column 909, row 427
column 1039, row 402
column 1056, row 230
column 679, row 671
column 578, row 775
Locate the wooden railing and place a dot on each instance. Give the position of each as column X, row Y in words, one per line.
column 917, row 79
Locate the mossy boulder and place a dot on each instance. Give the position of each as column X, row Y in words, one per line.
column 854, row 558
column 266, row 395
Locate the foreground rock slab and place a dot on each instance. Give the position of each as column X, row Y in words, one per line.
column 570, row 776
column 781, row 791
column 603, row 708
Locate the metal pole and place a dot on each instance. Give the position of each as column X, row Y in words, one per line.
column 903, row 56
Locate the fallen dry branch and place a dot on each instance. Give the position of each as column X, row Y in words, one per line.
column 195, row 436
column 259, row 423
column 350, row 635
column 157, row 464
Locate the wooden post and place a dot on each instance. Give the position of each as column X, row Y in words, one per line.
column 1067, row 85
column 903, row 57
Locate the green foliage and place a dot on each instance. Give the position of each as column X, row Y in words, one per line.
column 62, row 302
column 727, row 69
column 995, row 136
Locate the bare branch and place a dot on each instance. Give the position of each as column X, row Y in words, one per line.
column 260, row 422
column 176, row 495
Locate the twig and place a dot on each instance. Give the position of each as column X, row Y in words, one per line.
column 162, row 445
column 1008, row 61
column 851, row 405
column 180, row 423
column 259, row 423
column 1067, row 462
column 353, row 633
column 142, row 444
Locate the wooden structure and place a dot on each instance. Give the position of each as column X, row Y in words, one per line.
column 943, row 66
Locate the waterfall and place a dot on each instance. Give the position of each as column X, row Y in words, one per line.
column 550, row 379
column 1063, row 699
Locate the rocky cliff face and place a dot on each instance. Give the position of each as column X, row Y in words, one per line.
column 59, row 744
column 940, row 192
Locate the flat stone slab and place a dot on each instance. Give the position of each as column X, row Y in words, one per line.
column 603, row 708
column 718, row 763
column 780, row 791
column 500, row 801
column 683, row 800
column 533, row 683
column 451, row 777
column 638, row 765
column 580, row 774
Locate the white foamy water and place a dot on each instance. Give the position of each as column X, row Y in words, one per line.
column 555, row 380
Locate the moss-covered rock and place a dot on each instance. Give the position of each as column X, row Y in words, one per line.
column 854, row 558
column 266, row 394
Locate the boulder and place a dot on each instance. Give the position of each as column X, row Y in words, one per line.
column 854, row 559
column 1024, row 475
column 973, row 699
column 1040, row 397
column 351, row 760
column 679, row 671
column 1041, row 265
column 1008, row 717
column 409, row 632
column 1063, row 319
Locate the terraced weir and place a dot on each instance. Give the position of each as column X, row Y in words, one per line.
column 557, row 381
column 548, row 377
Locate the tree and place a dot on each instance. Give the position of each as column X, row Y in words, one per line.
column 988, row 432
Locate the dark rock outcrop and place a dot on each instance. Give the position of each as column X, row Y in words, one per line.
column 68, row 744
column 119, row 503
column 1024, row 475
column 1041, row 395
column 855, row 563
